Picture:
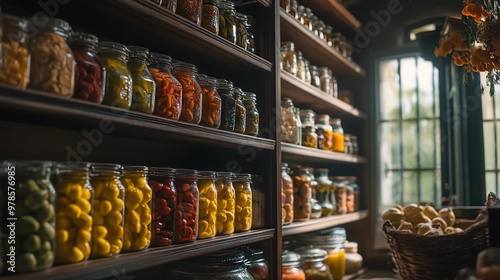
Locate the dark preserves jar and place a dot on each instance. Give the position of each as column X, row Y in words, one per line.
column 241, row 30
column 143, row 85
column 15, row 56
column 228, row 113
column 258, row 202
column 251, row 45
column 118, row 90
column 243, row 206
column 191, row 91
column 241, row 114
column 252, row 118
column 211, row 102
column 190, row 9
column 168, row 100
column 225, row 203
column 227, row 23
column 207, row 212
column 256, row 264
column 210, row 16
column 90, row 74
column 186, row 212
column 52, row 61
column 161, row 181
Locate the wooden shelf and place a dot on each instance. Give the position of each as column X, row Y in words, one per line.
column 316, row 50
column 37, row 107
column 355, row 275
column 322, row 223
column 303, row 154
column 333, row 10
column 107, row 268
column 311, row 97
column 265, row 3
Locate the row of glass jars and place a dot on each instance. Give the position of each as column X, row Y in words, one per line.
column 294, row 63
column 67, row 213
column 217, row 16
column 306, row 17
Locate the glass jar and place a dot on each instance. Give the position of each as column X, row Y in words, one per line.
column 307, row 71
column 488, row 263
column 74, row 212
column 333, row 85
column 118, row 89
column 323, row 126
column 225, row 203
column 52, row 61
column 190, row 9
column 241, row 30
column 309, row 137
column 293, row 8
column 313, row 21
column 186, row 210
column 256, row 264
column 355, row 145
column 222, row 265
column 328, row 33
column 211, row 102
column 347, row 144
column 207, row 205
column 300, row 14
column 301, row 69
column 340, row 194
column 243, row 209
column 324, row 79
column 252, row 114
column 210, row 16
column 138, row 195
column 312, row 263
column 227, row 23
column 315, row 80
column 191, row 91
column 170, row 5
column 316, row 209
column 308, row 14
column 325, row 186
column 90, row 74
column 319, row 28
column 350, row 198
column 251, row 44
column 168, row 99
column 258, row 202
column 338, row 135
column 336, row 260
column 285, row 4
column 15, row 66
column 298, row 124
column 286, row 196
column 241, row 112
column 356, row 192
column 161, row 181
column 353, row 260
column 143, row 84
column 307, row 117
column 336, row 41
column 228, row 114
column 301, row 195
column 108, row 221
column 289, row 58
column 291, row 269
column 289, row 129
column 29, row 183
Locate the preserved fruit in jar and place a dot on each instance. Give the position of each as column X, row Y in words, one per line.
column 241, row 114
column 207, row 205
column 291, row 269
column 227, row 23
column 52, row 61
column 225, row 203
column 286, row 195
column 252, row 118
column 190, row 9
column 15, row 56
column 143, row 85
column 289, row 58
column 289, row 129
column 309, row 137
column 256, row 264
column 211, row 102
column 161, row 181
column 107, row 230
column 312, row 263
column 337, row 136
column 210, row 15
column 138, row 195
column 301, row 195
column 168, row 100
column 186, row 210
column 243, row 209
column 228, row 114
column 191, row 92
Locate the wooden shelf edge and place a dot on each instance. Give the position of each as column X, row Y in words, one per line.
column 344, row 14
column 264, row 3
column 355, row 275
column 128, row 262
column 295, row 151
column 322, row 223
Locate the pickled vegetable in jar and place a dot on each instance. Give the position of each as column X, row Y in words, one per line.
column 161, row 181
column 243, row 210
column 138, row 195
column 258, row 202
column 291, row 269
column 325, row 187
column 168, row 99
column 15, row 65
column 301, row 67
column 211, row 102
column 315, row 80
column 323, row 125
column 337, row 136
column 325, row 80
column 339, row 193
column 241, row 114
column 256, row 264
column 225, row 203
column 252, row 114
column 143, row 84
column 251, row 44
column 90, row 74
column 118, row 90
column 207, row 205
column 241, row 30
column 312, row 263
column 210, row 16
column 190, row 9
column 301, row 195
column 74, row 212
column 186, row 211
column 52, row 61
column 191, row 91
column 289, row 130
column 289, row 58
column 227, row 22
column 228, row 114
column 109, row 205
column 309, row 137
column 286, row 195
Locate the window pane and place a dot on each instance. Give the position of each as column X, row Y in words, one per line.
column 428, row 186
column 438, row 142
column 490, row 182
column 436, row 91
column 410, row 149
column 390, row 192
column 408, row 88
column 437, row 173
column 410, row 187
column 489, row 145
column 494, row 188
column 427, row 144
column 389, row 89
column 425, row 88
column 487, row 100
column 390, row 145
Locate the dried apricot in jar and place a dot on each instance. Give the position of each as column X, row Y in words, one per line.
column 15, row 56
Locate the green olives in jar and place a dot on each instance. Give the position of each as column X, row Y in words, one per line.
column 143, row 84
column 241, row 30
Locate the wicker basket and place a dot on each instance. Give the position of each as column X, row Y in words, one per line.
column 435, row 257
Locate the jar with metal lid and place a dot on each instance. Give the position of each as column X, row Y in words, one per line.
column 258, row 202
column 340, row 194
column 333, row 85
column 243, row 207
column 355, row 145
column 338, row 135
column 186, row 210
column 325, row 186
column 309, row 137
column 251, row 44
column 328, row 34
column 307, row 117
column 227, row 23
column 302, row 194
column 289, row 58
column 319, row 28
column 108, row 222
column 285, row 4
column 324, row 79
column 332, row 240
column 161, row 180
column 336, row 41
column 90, row 74
column 241, row 112
column 349, row 198
column 52, row 61
column 308, row 14
column 307, row 78
column 256, row 264
column 211, row 102
column 298, row 124
column 315, row 80
column 208, row 204
column 312, row 263
column 210, row 16
column 118, row 89
column 241, row 30
column 301, row 67
column 222, row 265
column 323, row 126
column 347, row 144
column 225, row 203
column 138, row 196
column 356, row 192
column 168, row 100
column 315, row 205
column 286, row 195
column 74, row 195
column 143, row 84
column 191, row 91
column 289, row 129
column 190, row 9
column 353, row 260
column 228, row 113
column 300, row 14
column 293, row 8
column 252, row 114
column 291, row 269
column 15, row 67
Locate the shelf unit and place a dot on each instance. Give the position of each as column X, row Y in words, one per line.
column 323, row 223
column 334, row 10
column 300, row 153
